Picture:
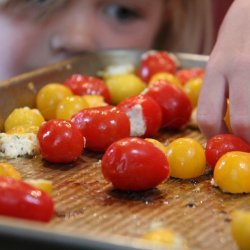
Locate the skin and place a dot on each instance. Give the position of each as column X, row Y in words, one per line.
column 31, row 39
column 228, row 76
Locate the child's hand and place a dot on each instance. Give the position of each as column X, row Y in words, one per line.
column 228, row 76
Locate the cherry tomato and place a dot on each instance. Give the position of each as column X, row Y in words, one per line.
column 124, row 86
column 94, row 100
column 192, row 89
column 42, row 184
column 7, row 170
column 158, row 144
column 227, row 118
column 134, row 164
column 48, row 98
column 240, row 227
column 175, row 105
column 232, row 172
column 60, row 141
column 144, row 114
column 153, row 62
column 166, row 237
column 186, row 158
column 21, row 200
column 102, row 126
column 22, row 129
column 184, row 75
column 87, row 85
column 221, row 144
column 23, row 117
column 69, row 106
column 166, row 76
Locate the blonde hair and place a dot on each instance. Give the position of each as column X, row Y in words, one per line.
column 190, row 28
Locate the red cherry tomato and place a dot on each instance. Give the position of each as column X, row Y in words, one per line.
column 21, row 200
column 221, row 144
column 175, row 105
column 87, row 85
column 153, row 62
column 102, row 126
column 134, row 164
column 184, row 75
column 144, row 114
column 60, row 141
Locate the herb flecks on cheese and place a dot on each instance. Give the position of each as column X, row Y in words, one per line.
column 18, row 145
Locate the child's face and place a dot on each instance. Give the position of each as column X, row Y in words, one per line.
column 35, row 33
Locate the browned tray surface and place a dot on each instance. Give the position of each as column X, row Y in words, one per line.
column 88, row 208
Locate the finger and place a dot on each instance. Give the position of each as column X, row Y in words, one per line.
column 212, row 103
column 239, row 97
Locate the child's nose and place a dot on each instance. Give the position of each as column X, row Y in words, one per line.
column 75, row 34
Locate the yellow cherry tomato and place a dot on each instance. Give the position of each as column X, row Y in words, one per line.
column 22, row 117
column 192, row 89
column 186, row 158
column 94, row 100
column 48, row 98
column 166, row 237
column 69, row 106
column 227, row 118
column 157, row 144
column 7, row 170
column 240, row 227
column 22, row 129
column 166, row 76
column 232, row 172
column 42, row 184
column 124, row 86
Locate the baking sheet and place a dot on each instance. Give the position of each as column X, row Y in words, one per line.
column 90, row 214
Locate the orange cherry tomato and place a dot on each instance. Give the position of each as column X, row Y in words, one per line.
column 48, row 98
column 124, row 86
column 69, row 106
column 192, row 89
column 23, row 117
column 186, row 158
column 232, row 172
column 166, row 76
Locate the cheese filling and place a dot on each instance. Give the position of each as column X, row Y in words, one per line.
column 137, row 122
column 16, row 145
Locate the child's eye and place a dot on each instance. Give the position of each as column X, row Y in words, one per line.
column 121, row 13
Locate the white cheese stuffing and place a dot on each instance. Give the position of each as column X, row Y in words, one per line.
column 18, row 145
column 137, row 122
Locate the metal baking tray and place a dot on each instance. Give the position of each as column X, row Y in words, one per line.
column 90, row 214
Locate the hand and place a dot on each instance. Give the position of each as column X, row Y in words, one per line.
column 228, row 76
